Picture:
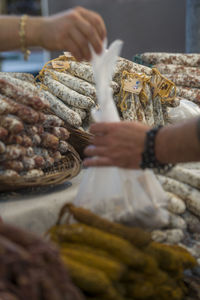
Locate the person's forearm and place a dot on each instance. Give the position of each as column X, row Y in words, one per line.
column 9, row 32
column 178, row 143
column 72, row 30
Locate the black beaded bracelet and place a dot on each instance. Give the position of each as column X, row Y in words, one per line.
column 149, row 159
column 198, row 129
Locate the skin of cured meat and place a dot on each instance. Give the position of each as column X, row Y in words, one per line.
column 185, row 59
column 62, row 110
column 3, row 133
column 67, row 95
column 11, row 123
column 174, row 69
column 20, row 95
column 20, row 139
column 51, row 121
column 81, row 86
column 60, row 132
column 50, row 141
column 23, row 76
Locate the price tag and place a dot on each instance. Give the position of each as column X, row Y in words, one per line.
column 69, row 55
column 133, row 85
column 57, row 64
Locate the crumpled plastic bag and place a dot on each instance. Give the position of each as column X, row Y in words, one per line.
column 186, row 110
column 132, row 197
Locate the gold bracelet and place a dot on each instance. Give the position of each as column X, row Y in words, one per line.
column 22, row 36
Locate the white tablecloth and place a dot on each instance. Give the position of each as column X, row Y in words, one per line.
column 37, row 209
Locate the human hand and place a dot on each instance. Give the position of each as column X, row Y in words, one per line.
column 73, row 30
column 116, row 144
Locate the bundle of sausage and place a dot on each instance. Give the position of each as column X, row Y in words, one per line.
column 71, row 92
column 30, row 140
column 32, row 269
column 182, row 185
column 107, row 260
column 181, row 68
column 144, row 93
column 139, row 92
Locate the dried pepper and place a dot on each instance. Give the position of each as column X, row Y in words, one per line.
column 89, row 279
column 83, row 234
column 112, row 268
column 158, row 273
column 136, row 236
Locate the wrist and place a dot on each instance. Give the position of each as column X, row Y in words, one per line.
column 34, row 31
column 149, row 157
column 198, row 129
column 178, row 143
column 161, row 149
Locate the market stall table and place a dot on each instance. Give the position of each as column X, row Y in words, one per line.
column 37, row 209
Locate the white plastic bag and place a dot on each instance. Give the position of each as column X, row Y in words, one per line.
column 129, row 196
column 186, row 110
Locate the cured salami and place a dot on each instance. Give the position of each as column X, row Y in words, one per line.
column 20, row 139
column 185, row 59
column 61, row 132
column 62, row 111
column 50, row 141
column 173, row 69
column 13, row 152
column 81, row 86
column 51, row 121
column 2, row 147
column 191, row 94
column 20, row 95
column 63, row 147
column 175, row 204
column 81, row 70
column 148, row 106
column 139, row 110
column 39, row 161
column 80, row 111
column 15, row 165
column 157, row 112
column 23, row 76
column 191, row 177
column 3, row 133
column 56, row 156
column 25, row 113
column 129, row 114
column 127, row 65
column 11, row 123
column 189, row 194
column 67, row 95
column 191, row 81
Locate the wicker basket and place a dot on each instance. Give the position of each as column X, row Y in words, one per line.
column 66, row 169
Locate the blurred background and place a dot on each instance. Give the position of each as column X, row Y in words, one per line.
column 143, row 25
column 14, row 60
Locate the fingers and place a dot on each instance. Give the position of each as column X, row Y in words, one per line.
column 95, row 151
column 102, row 134
column 98, row 157
column 102, row 128
column 81, row 44
column 91, row 35
column 97, row 161
column 96, row 21
column 74, row 49
column 91, row 26
column 74, row 30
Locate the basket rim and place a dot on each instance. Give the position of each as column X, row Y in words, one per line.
column 51, row 176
